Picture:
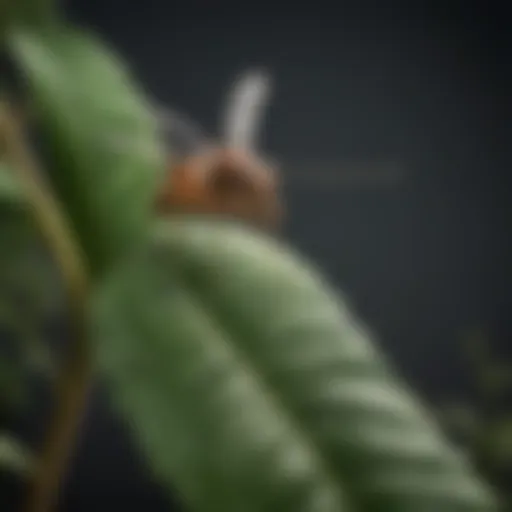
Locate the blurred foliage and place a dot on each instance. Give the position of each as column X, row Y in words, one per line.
column 14, row 456
column 26, row 13
column 483, row 426
column 101, row 136
column 492, row 377
column 29, row 296
column 11, row 197
column 254, row 382
column 248, row 381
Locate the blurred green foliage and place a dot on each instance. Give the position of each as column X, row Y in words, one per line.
column 483, row 426
column 29, row 297
column 14, row 457
column 248, row 381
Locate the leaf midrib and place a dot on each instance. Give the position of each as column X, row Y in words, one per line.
column 275, row 401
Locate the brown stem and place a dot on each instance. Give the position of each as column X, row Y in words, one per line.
column 74, row 380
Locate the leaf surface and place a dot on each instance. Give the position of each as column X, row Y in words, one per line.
column 99, row 135
column 253, row 387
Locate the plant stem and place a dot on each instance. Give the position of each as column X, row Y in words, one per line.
column 74, row 380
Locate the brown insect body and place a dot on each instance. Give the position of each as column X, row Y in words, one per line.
column 223, row 182
column 227, row 178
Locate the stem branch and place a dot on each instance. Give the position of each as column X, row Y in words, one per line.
column 74, row 380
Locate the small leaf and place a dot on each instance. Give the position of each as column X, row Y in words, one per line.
column 499, row 441
column 28, row 277
column 14, row 457
column 13, row 386
column 103, row 139
column 496, row 378
column 11, row 195
column 32, row 351
column 30, row 288
column 252, row 386
column 28, row 12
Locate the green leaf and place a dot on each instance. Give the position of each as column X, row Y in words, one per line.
column 27, row 330
column 25, row 266
column 11, row 195
column 13, row 386
column 498, row 441
column 26, row 270
column 14, row 457
column 30, row 290
column 252, row 386
column 102, row 137
column 35, row 13
column 496, row 378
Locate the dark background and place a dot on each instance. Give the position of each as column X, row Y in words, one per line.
column 423, row 252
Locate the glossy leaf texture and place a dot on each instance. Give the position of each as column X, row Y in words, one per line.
column 99, row 136
column 252, row 386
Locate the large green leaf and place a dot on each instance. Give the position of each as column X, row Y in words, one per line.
column 102, row 140
column 252, row 386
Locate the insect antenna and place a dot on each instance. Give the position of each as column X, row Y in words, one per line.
column 243, row 113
